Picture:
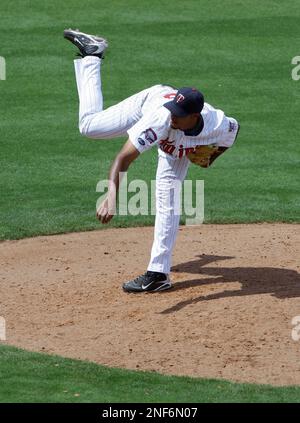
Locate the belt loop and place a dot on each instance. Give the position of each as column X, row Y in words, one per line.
column 231, row 126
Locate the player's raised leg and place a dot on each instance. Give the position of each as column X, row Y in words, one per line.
column 94, row 122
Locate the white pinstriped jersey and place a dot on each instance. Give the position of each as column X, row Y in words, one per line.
column 154, row 128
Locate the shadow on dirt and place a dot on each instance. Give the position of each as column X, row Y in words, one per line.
column 281, row 283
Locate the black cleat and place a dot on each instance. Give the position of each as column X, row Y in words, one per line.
column 88, row 45
column 149, row 282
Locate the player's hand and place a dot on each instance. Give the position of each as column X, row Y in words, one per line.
column 106, row 210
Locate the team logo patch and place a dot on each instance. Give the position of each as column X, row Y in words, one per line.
column 149, row 135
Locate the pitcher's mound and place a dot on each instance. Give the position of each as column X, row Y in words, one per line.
column 229, row 315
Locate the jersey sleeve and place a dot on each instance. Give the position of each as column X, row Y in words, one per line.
column 150, row 129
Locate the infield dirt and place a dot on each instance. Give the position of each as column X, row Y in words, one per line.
column 236, row 290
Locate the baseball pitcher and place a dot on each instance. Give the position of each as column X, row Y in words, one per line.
column 184, row 128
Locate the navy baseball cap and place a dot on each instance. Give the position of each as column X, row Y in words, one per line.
column 187, row 101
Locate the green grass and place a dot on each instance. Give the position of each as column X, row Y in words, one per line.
column 239, row 55
column 32, row 377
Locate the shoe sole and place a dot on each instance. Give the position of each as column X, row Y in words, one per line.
column 71, row 34
column 164, row 287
